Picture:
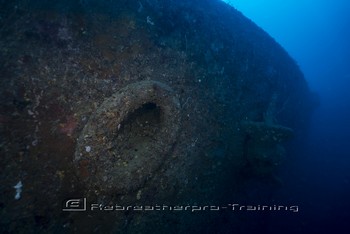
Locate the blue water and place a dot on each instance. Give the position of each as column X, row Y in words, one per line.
column 317, row 35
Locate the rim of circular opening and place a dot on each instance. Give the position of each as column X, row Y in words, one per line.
column 105, row 123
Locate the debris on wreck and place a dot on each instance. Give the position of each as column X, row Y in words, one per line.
column 263, row 149
column 18, row 188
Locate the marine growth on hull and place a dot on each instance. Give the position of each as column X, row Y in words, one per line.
column 140, row 103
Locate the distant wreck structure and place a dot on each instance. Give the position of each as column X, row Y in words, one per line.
column 139, row 104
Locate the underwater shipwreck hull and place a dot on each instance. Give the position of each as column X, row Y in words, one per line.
column 138, row 103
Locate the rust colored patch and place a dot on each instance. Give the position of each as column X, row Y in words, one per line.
column 83, row 168
column 69, row 126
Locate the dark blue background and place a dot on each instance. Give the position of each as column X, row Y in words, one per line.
column 317, row 35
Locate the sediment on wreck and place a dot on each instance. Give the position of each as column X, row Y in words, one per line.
column 139, row 103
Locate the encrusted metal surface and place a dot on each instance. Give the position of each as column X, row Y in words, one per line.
column 139, row 102
column 125, row 140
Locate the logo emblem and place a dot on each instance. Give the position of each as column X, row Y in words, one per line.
column 78, row 204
